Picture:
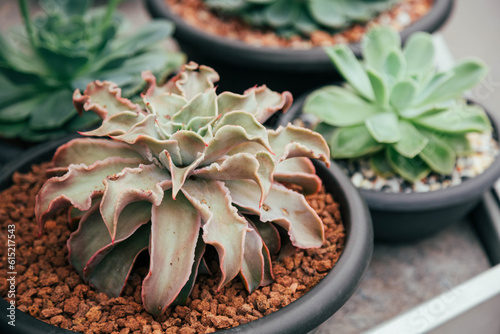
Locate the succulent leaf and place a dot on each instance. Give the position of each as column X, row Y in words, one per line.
column 376, row 45
column 397, row 102
column 293, row 141
column 299, row 171
column 77, row 186
column 353, row 142
column 93, row 239
column 89, row 150
column 412, row 141
column 104, row 99
column 171, row 262
column 223, row 228
column 253, row 264
column 351, row 69
column 284, row 207
column 411, row 170
column 337, row 101
column 111, row 273
column 147, row 182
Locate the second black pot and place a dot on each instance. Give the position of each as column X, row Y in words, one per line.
column 401, row 217
column 243, row 66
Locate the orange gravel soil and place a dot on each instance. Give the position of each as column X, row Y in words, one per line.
column 48, row 288
column 196, row 13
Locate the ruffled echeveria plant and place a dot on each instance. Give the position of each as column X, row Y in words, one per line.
column 397, row 108
column 65, row 47
column 191, row 169
column 302, row 17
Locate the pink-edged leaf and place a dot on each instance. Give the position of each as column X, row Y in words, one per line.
column 299, row 171
column 269, row 234
column 179, row 174
column 150, row 148
column 111, row 273
column 145, row 128
column 258, row 167
column 270, row 238
column 77, row 187
column 103, row 98
column 152, row 90
column 116, row 125
column 89, row 244
column 246, row 121
column 89, row 150
column 175, row 226
column 191, row 145
column 252, row 267
column 269, row 102
column 165, row 106
column 202, row 105
column 227, row 138
column 223, row 227
column 145, row 183
column 228, row 101
column 284, row 207
column 293, row 141
column 199, row 266
column 194, row 79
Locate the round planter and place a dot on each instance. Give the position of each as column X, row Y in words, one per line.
column 301, row 316
column 243, row 65
column 404, row 217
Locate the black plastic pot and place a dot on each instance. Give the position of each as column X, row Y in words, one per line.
column 400, row 217
column 242, row 65
column 300, row 316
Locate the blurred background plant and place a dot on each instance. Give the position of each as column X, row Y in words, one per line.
column 62, row 49
column 302, row 17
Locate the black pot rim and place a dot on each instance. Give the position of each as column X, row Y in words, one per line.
column 283, row 59
column 431, row 200
column 302, row 315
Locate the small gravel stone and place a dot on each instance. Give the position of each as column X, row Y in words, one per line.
column 485, row 150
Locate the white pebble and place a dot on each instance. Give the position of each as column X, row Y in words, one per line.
column 404, row 19
column 420, row 187
column 356, row 179
column 366, row 184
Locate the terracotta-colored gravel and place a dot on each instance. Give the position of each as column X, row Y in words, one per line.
column 198, row 14
column 48, row 288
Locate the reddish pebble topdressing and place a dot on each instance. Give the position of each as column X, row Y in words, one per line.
column 49, row 289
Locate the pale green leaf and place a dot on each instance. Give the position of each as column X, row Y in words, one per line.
column 353, row 142
column 384, row 127
column 411, row 170
column 403, row 93
column 376, row 45
column 459, row 119
column 351, row 69
column 439, row 156
column 339, row 106
column 379, row 86
column 419, row 52
column 465, row 75
column 412, row 140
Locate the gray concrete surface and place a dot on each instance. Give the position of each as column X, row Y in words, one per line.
column 473, row 30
